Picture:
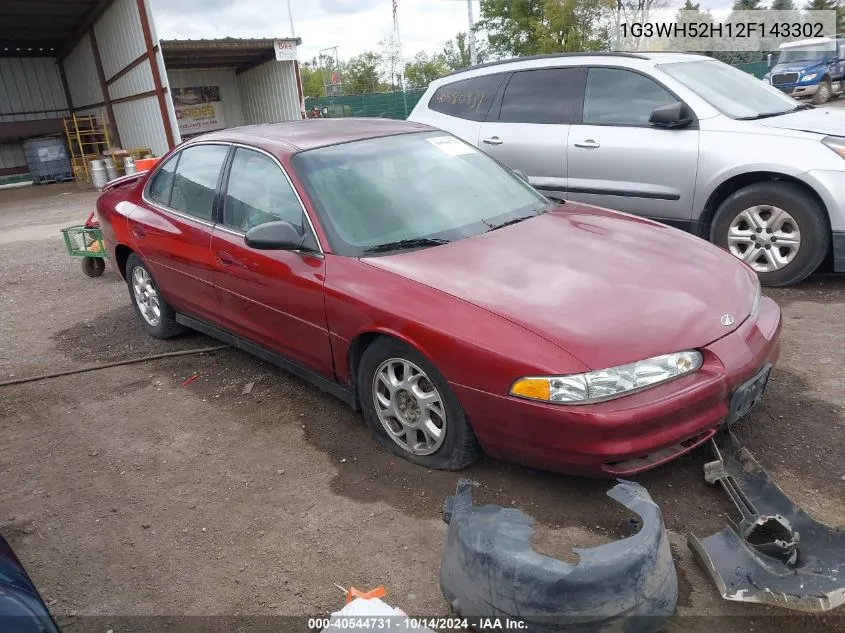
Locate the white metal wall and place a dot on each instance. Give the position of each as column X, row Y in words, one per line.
column 81, row 75
column 11, row 155
column 269, row 93
column 120, row 40
column 165, row 82
column 120, row 37
column 230, row 93
column 33, row 85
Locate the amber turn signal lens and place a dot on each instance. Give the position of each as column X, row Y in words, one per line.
column 534, row 388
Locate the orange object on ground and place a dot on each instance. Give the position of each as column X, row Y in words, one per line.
column 352, row 593
column 146, row 164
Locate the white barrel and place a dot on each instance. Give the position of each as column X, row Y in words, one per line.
column 99, row 178
column 129, row 166
column 111, row 170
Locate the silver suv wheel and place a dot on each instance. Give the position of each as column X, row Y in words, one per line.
column 767, row 238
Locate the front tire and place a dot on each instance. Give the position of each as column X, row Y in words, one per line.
column 157, row 317
column 411, row 409
column 777, row 228
column 823, row 93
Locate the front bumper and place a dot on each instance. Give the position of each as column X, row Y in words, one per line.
column 637, row 432
column 799, row 90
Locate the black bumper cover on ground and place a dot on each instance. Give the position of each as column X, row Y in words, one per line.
column 490, row 570
column 798, row 563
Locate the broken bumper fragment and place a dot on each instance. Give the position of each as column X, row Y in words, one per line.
column 777, row 553
column 490, row 571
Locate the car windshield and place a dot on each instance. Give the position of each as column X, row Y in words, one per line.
column 393, row 193
column 733, row 92
column 801, row 55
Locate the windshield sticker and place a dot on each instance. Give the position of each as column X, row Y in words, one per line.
column 451, row 146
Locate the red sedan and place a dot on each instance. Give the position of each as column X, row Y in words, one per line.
column 417, row 279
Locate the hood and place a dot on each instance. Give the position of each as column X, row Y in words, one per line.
column 797, row 66
column 606, row 287
column 827, row 121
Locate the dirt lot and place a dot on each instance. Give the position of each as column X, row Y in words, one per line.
column 126, row 493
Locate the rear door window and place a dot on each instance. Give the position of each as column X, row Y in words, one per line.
column 196, row 178
column 161, row 184
column 468, row 99
column 547, row 95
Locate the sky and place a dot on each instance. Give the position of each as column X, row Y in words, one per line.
column 354, row 26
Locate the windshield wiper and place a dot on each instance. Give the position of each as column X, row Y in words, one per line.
column 493, row 227
column 767, row 115
column 417, row 242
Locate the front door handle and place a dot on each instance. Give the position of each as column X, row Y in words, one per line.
column 493, row 140
column 588, row 144
column 224, row 258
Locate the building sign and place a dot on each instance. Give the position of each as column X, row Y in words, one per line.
column 285, row 50
column 198, row 109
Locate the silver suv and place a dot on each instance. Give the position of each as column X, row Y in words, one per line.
column 680, row 138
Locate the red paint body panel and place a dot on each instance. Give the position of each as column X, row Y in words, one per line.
column 274, row 298
column 575, row 289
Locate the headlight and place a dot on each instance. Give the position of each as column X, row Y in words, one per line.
column 606, row 384
column 809, row 77
column 836, row 143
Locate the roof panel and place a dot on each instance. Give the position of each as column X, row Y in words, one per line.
column 34, row 27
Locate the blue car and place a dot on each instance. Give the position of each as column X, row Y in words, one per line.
column 22, row 609
column 810, row 68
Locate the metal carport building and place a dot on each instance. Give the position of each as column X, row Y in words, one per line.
column 59, row 57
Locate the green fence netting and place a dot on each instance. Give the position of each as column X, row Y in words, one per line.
column 758, row 69
column 391, row 105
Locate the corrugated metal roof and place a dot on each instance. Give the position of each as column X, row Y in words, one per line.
column 43, row 28
column 229, row 52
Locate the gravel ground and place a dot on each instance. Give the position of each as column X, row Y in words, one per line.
column 126, row 492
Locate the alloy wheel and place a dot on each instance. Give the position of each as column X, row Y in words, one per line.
column 409, row 406
column 765, row 237
column 146, row 296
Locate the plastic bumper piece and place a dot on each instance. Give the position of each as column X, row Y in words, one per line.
column 776, row 554
column 490, row 571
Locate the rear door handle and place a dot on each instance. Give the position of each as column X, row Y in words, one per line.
column 224, row 258
column 588, row 144
column 493, row 140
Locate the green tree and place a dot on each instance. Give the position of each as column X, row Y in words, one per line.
column 782, row 5
column 312, row 79
column 830, row 5
column 531, row 27
column 424, row 69
column 361, row 74
column 690, row 14
column 747, row 5
column 456, row 51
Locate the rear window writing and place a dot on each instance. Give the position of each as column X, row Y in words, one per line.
column 467, row 99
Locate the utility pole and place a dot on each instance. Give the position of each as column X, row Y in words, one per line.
column 290, row 15
column 473, row 58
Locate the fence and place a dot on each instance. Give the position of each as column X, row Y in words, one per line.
column 391, row 105
column 758, row 69
column 395, row 105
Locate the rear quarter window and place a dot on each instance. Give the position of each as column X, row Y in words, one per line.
column 467, row 99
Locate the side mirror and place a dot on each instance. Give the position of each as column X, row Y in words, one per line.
column 274, row 236
column 673, row 115
column 521, row 174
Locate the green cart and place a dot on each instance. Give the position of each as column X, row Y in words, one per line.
column 86, row 241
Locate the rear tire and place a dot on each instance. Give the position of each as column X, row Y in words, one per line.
column 157, row 317
column 808, row 223
column 387, row 357
column 823, row 93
